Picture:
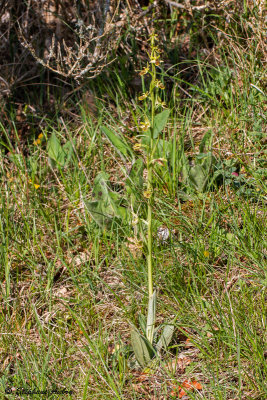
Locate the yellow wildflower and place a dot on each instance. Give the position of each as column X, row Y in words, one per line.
column 206, row 254
column 34, row 184
column 37, row 141
column 40, row 136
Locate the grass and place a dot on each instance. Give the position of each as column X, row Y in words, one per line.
column 70, row 292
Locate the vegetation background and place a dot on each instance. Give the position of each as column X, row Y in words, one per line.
column 73, row 285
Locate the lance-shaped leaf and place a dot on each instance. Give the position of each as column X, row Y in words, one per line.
column 142, row 323
column 120, row 145
column 143, row 350
column 151, row 317
column 165, row 337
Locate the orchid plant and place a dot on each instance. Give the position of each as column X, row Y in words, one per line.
column 107, row 204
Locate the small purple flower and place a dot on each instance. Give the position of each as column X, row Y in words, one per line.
column 235, row 173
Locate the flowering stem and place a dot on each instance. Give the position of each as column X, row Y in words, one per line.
column 149, row 128
column 149, row 178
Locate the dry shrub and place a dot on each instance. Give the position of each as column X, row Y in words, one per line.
column 77, row 40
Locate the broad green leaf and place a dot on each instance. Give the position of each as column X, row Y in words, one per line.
column 120, row 145
column 103, row 219
column 165, row 337
column 103, row 193
column 200, row 174
column 160, row 122
column 100, row 189
column 61, row 155
column 106, row 205
column 198, row 177
column 151, row 317
column 143, row 350
column 54, row 149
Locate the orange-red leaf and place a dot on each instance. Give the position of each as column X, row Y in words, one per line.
column 187, row 384
column 197, row 385
column 182, row 393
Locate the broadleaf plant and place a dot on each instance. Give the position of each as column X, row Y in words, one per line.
column 106, row 207
column 59, row 155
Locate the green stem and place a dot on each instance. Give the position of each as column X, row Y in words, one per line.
column 150, row 185
column 149, row 238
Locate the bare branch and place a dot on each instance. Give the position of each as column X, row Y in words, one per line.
column 186, row 7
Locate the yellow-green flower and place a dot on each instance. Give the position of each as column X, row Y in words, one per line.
column 135, row 220
column 157, row 50
column 147, row 194
column 144, row 71
column 137, row 146
column 153, row 36
column 143, row 96
column 159, row 84
column 161, row 104
column 206, row 254
column 144, row 126
column 155, row 60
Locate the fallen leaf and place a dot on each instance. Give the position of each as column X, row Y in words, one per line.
column 188, row 343
column 182, row 393
column 197, row 385
column 187, row 384
column 141, row 378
